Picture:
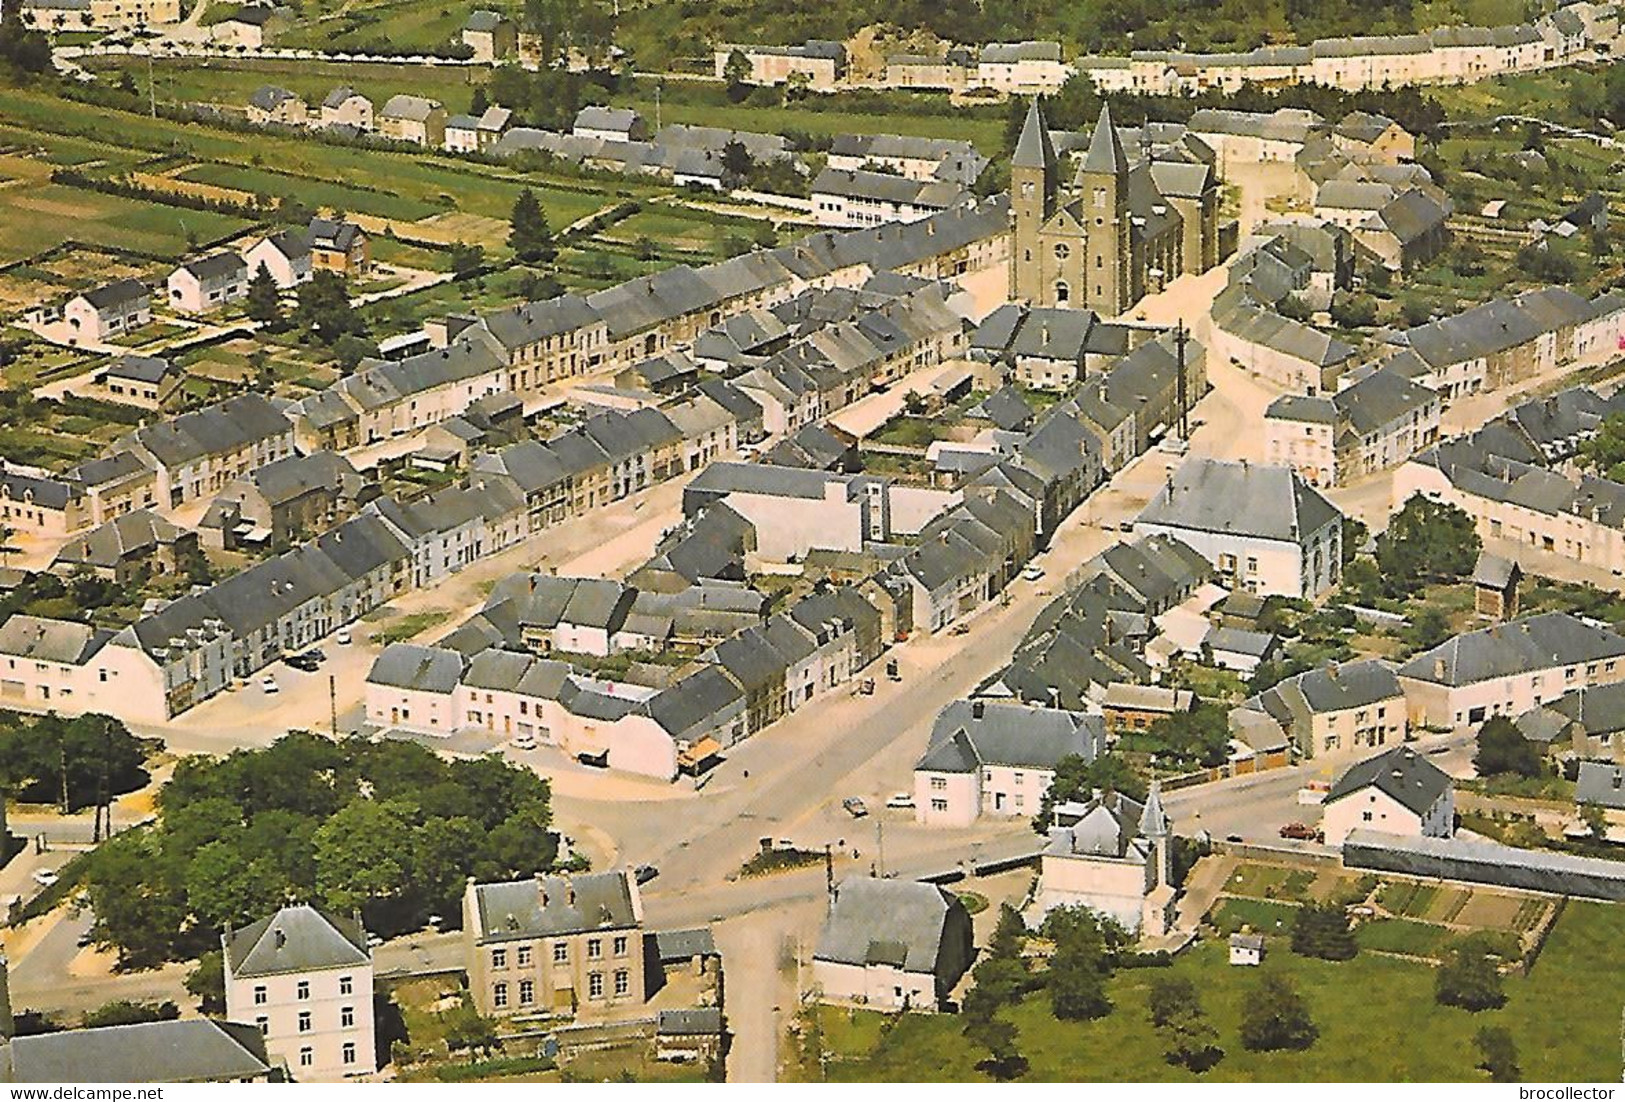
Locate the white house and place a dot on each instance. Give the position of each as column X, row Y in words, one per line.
column 285, row 255
column 199, row 286
column 305, row 978
column 1263, row 528
column 992, row 757
column 892, row 945
column 1111, row 855
column 1397, row 792
column 107, row 312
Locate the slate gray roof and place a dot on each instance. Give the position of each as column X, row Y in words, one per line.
column 119, row 294
column 270, row 97
column 414, row 108
column 695, row 703
column 63, row 641
column 188, row 1050
column 138, row 532
column 339, row 96
column 220, row 429
column 702, row 1021
column 548, row 906
column 896, row 922
column 1240, row 498
column 1010, row 53
column 1008, row 733
column 141, row 369
column 1287, row 124
column 1334, row 687
column 1034, row 148
column 1400, row 773
column 1108, row 828
column 408, row 666
column 482, row 20
column 222, row 265
column 1105, row 152
column 673, row 946
column 1539, row 642
column 1256, row 644
column 296, row 939
column 47, row 493
column 1492, row 570
column 1601, row 783
column 594, row 117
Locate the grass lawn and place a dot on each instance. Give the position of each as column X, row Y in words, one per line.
column 1377, row 1017
column 312, row 192
column 1262, row 915
column 986, row 133
column 36, row 218
column 1401, row 935
column 1407, row 897
column 402, row 628
column 231, row 82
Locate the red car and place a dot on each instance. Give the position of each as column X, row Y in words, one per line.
column 1298, row 832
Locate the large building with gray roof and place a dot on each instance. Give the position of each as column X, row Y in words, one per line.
column 892, row 945
column 1263, row 528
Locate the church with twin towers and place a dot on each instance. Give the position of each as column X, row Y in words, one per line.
column 1141, row 209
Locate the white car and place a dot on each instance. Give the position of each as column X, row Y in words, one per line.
column 343, row 637
column 900, row 799
column 1033, row 573
column 46, row 877
column 268, row 683
column 524, row 742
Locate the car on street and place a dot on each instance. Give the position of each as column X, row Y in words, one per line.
column 46, row 877
column 268, row 683
column 645, row 873
column 1298, row 832
column 524, row 742
column 899, row 800
column 854, row 807
column 1232, row 837
column 1033, row 573
column 305, row 663
column 343, row 637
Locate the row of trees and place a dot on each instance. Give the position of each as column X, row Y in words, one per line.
column 386, row 828
column 74, row 763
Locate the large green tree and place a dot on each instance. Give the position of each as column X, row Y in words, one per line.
column 1469, row 979
column 529, row 235
column 1427, row 541
column 1274, row 1016
column 1322, row 930
column 1502, row 748
column 264, row 303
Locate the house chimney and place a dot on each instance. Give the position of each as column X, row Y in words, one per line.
column 569, row 893
column 281, row 938
column 1438, row 668
column 978, row 708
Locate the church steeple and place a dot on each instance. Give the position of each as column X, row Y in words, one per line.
column 1034, row 148
column 1154, row 820
column 1105, row 154
column 1034, row 179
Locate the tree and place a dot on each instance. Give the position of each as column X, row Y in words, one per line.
column 736, row 72
column 1189, row 1039
column 1605, row 451
column 1497, row 1053
column 1077, row 987
column 1274, row 1017
column 1503, row 749
column 736, row 163
column 207, row 983
column 1595, row 819
column 479, row 102
column 997, row 1036
column 529, row 236
column 1001, row 977
column 1352, row 311
column 467, row 261
column 1168, row 995
column 23, row 53
column 1427, row 541
column 7, row 547
column 324, row 308
column 264, row 298
column 1469, row 979
column 1076, row 779
column 363, row 853
column 467, row 1029
column 1428, row 628
column 1322, row 930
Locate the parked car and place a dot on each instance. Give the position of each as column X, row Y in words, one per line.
column 306, row 662
column 46, row 877
column 1298, row 832
column 343, row 637
column 268, row 683
column 900, row 799
column 645, row 873
column 1033, row 573
column 1232, row 838
column 854, row 807
column 524, row 742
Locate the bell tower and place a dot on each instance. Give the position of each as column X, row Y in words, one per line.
column 1034, row 178
column 1103, row 205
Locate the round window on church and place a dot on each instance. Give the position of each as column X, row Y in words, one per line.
column 1062, row 252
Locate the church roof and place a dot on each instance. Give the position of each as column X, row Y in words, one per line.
column 1034, row 149
column 1105, row 148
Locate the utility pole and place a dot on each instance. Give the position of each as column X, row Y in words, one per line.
column 1181, row 339
column 657, row 105
column 333, row 705
column 880, row 844
column 152, row 90
column 829, row 872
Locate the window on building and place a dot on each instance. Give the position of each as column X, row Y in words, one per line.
column 522, row 956
column 939, row 784
column 595, row 985
column 939, row 805
column 1100, row 196
column 527, row 992
column 623, row 981
column 347, row 1017
column 264, row 1023
column 1020, row 778
column 620, row 946
column 259, row 995
column 1062, row 251
column 499, row 994
column 347, row 1053
column 1063, row 293
column 346, row 985
column 302, row 989
column 304, row 1021
column 595, row 948
column 307, row 1056
column 499, row 958
column 561, row 953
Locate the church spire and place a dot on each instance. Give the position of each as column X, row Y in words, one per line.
column 1034, row 149
column 1105, row 153
column 1153, row 820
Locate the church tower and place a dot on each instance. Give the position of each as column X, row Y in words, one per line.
column 1155, row 828
column 1034, row 178
column 1103, row 206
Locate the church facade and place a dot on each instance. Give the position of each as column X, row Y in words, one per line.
column 1121, row 230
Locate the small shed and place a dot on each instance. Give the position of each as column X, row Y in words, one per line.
column 1495, row 586
column 1247, row 950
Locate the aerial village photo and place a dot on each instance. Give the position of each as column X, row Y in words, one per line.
column 956, row 541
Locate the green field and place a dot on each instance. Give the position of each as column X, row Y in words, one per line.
column 312, row 192
column 1563, row 1015
column 230, row 83
column 36, row 218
